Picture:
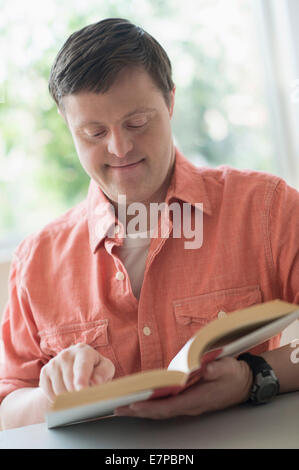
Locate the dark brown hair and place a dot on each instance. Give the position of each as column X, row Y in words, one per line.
column 92, row 57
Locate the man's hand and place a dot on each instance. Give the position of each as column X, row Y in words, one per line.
column 226, row 382
column 74, row 368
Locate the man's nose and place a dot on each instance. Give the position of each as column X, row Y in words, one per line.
column 119, row 143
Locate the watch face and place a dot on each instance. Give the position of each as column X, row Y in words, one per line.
column 267, row 391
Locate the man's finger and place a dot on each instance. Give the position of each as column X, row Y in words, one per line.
column 68, row 376
column 216, row 369
column 57, row 381
column 104, row 371
column 46, row 385
column 83, row 367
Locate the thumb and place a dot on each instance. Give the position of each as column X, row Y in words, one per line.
column 103, row 372
column 221, row 367
column 213, row 371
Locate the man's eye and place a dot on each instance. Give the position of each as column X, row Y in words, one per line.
column 96, row 135
column 139, row 123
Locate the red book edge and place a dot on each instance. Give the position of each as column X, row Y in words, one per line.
column 193, row 377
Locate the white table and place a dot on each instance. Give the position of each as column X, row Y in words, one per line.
column 275, row 425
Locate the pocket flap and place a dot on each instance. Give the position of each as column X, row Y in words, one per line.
column 94, row 333
column 203, row 308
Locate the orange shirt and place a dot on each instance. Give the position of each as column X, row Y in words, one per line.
column 68, row 285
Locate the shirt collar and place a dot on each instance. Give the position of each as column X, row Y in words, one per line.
column 187, row 184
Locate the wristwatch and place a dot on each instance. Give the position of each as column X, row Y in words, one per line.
column 265, row 383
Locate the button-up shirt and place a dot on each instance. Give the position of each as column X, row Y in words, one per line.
column 67, row 284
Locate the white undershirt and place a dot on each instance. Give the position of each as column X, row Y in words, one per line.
column 133, row 254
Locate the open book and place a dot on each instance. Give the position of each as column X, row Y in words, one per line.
column 229, row 336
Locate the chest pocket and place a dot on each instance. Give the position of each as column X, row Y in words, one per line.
column 193, row 313
column 94, row 333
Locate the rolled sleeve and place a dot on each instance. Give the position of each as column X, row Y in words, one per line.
column 284, row 237
column 21, row 358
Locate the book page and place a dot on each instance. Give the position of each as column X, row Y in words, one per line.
column 242, row 329
column 258, row 336
column 93, row 410
column 180, row 361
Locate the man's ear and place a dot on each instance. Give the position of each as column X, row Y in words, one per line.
column 61, row 114
column 172, row 94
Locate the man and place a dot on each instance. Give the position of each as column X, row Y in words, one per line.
column 87, row 304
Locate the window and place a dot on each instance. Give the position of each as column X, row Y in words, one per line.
column 228, row 108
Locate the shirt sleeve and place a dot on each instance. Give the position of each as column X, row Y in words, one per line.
column 21, row 358
column 284, row 240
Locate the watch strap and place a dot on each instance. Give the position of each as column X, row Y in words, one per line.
column 263, row 375
column 256, row 363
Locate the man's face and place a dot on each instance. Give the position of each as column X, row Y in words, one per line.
column 129, row 124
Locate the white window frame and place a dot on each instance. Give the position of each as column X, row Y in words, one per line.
column 279, row 38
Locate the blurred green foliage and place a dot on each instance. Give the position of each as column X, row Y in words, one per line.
column 41, row 175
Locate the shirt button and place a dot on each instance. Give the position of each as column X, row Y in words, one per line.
column 146, row 331
column 119, row 276
column 222, row 314
column 116, row 229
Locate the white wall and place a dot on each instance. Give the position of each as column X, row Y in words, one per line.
column 277, row 22
column 290, row 333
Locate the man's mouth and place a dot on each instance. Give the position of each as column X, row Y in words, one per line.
column 123, row 167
